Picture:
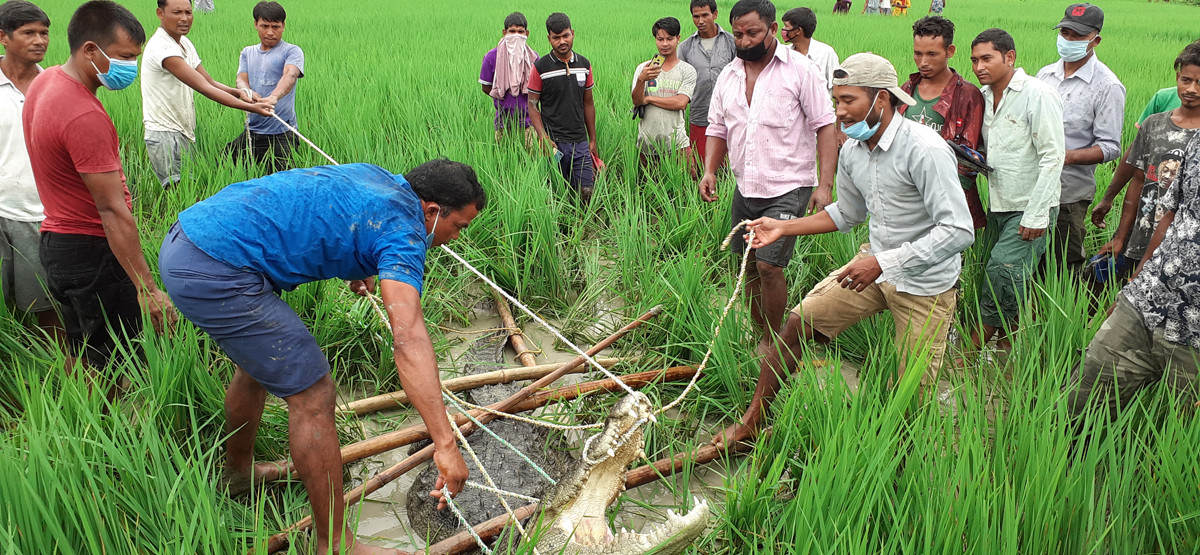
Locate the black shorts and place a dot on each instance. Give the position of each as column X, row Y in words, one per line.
column 272, row 151
column 788, row 206
column 99, row 302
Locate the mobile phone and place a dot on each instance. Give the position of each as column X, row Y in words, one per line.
column 658, row 59
column 558, row 155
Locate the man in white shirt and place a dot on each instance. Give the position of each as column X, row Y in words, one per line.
column 24, row 33
column 1023, row 131
column 171, row 70
column 799, row 24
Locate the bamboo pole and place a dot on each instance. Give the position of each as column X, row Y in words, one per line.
column 524, row 356
column 279, row 541
column 463, row 542
column 394, row 399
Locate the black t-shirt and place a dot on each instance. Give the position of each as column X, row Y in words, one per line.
column 561, row 87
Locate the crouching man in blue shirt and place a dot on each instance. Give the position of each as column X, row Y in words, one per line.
column 227, row 258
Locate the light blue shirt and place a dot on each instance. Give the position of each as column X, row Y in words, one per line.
column 264, row 69
column 909, row 187
column 1025, row 146
column 1093, row 114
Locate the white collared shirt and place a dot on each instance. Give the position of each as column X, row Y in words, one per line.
column 1025, row 147
column 18, row 193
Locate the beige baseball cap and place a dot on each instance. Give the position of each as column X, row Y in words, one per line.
column 870, row 70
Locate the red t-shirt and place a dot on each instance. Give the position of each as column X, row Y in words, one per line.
column 67, row 132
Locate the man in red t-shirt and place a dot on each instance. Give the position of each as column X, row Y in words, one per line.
column 94, row 263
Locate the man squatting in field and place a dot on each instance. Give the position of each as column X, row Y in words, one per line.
column 708, row 50
column 1153, row 332
column 267, row 72
column 661, row 92
column 904, row 177
column 24, row 33
column 224, row 264
column 771, row 112
column 95, row 267
column 172, row 70
column 504, row 77
column 561, row 109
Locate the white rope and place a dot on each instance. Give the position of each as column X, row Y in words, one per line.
column 495, row 491
column 303, row 138
column 539, row 320
column 487, row 478
column 519, row 418
column 470, row 529
column 505, row 442
column 737, row 288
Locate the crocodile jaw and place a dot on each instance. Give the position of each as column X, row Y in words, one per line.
column 671, row 537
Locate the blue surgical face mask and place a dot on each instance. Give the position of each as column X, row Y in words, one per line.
column 860, row 131
column 429, row 236
column 121, row 73
column 1072, row 50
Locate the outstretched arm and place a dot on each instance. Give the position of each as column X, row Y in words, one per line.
column 204, row 84
column 417, row 367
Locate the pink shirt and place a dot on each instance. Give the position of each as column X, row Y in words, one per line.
column 772, row 142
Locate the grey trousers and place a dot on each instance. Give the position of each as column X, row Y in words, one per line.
column 1125, row 357
column 166, row 149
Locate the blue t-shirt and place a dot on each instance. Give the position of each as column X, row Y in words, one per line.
column 265, row 69
column 350, row 222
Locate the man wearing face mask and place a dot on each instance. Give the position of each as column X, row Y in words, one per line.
column 224, row 265
column 504, row 77
column 89, row 245
column 903, row 178
column 771, row 113
column 1093, row 114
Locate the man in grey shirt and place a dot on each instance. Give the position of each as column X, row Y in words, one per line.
column 709, row 50
column 1093, row 113
column 904, row 177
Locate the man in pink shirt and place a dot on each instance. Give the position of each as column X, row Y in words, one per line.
column 772, row 114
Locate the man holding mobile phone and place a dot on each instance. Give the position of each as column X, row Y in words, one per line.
column 662, row 89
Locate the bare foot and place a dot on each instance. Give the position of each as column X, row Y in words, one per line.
column 734, row 434
column 238, row 484
column 356, row 548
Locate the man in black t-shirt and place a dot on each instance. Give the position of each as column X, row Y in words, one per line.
column 561, row 109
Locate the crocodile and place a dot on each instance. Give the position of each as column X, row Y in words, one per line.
column 573, row 512
column 509, row 470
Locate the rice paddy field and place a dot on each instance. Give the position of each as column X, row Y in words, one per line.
column 994, row 466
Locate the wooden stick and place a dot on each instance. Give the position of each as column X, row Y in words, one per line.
column 641, row 379
column 524, row 356
column 279, row 541
column 395, row 399
column 412, row 434
column 463, row 542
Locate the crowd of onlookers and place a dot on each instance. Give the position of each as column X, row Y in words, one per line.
column 739, row 96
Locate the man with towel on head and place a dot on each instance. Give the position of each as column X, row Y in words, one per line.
column 504, row 77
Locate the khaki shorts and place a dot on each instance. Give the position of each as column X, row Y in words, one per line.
column 921, row 322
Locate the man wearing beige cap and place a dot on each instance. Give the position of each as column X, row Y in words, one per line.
column 904, row 177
